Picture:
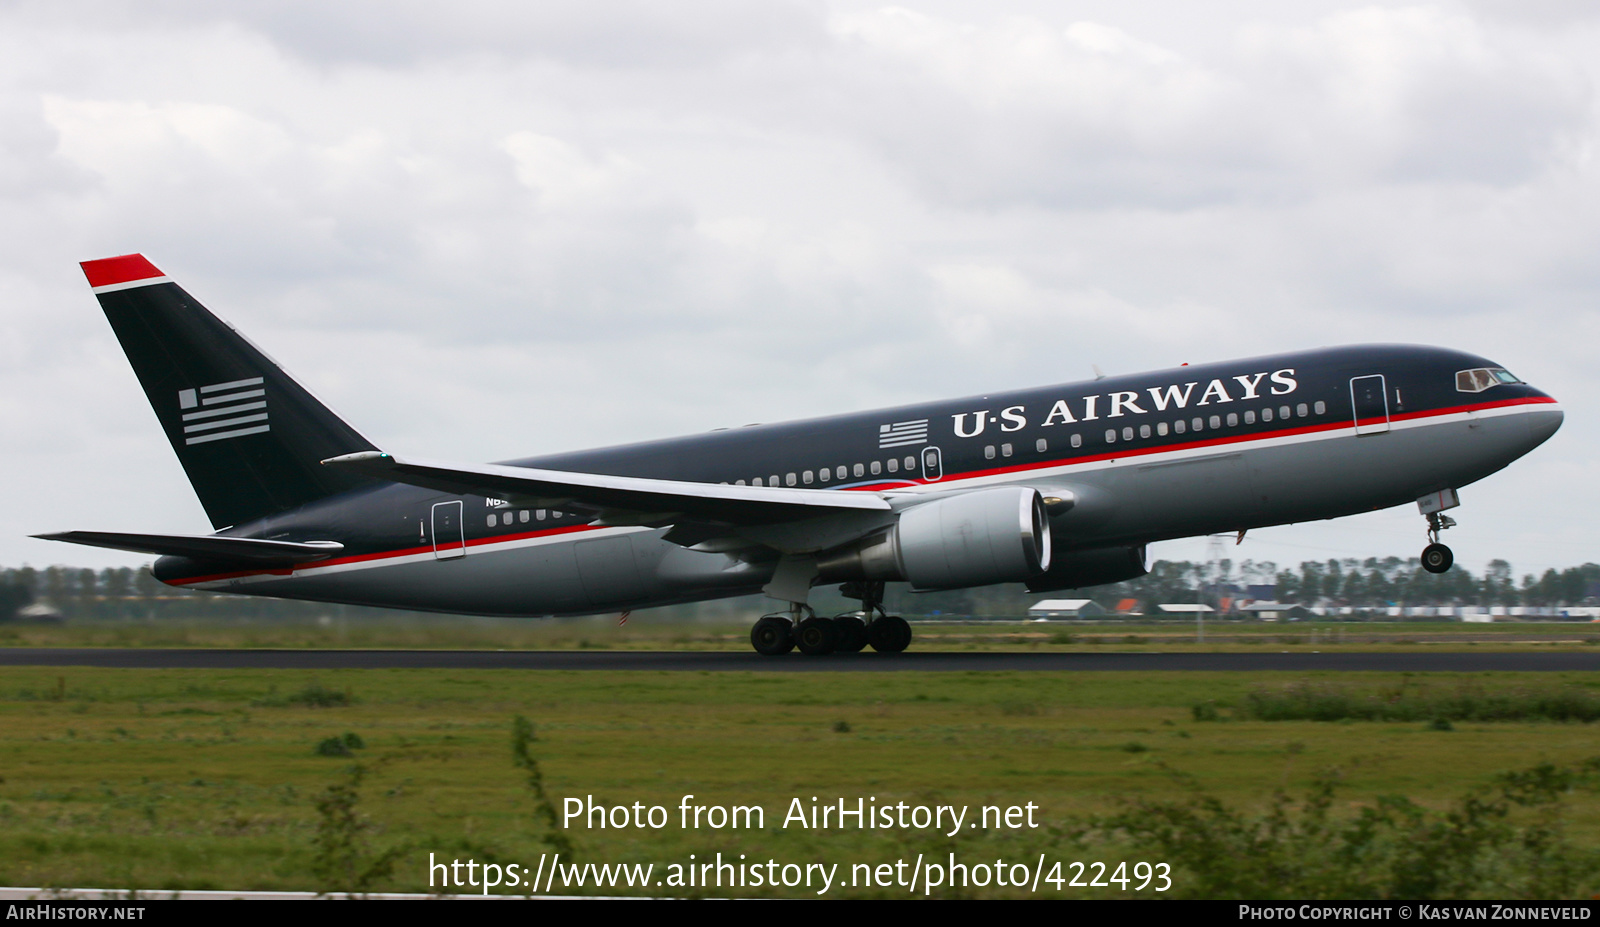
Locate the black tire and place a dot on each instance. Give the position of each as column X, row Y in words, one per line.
column 772, row 636
column 1437, row 558
column 890, row 634
column 852, row 633
column 816, row 636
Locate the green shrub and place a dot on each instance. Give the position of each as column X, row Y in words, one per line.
column 317, row 695
column 1505, row 840
column 1308, row 702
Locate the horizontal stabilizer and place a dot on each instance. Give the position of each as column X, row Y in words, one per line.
column 615, row 496
column 208, row 547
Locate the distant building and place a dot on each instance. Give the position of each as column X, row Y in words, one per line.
column 1275, row 611
column 1065, row 608
column 1185, row 608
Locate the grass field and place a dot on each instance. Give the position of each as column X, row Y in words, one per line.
column 164, row 779
column 642, row 633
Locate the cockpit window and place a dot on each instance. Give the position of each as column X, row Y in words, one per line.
column 1482, row 378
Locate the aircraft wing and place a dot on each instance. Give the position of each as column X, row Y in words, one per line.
column 621, row 499
column 204, row 547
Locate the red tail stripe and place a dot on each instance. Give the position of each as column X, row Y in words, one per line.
column 128, row 267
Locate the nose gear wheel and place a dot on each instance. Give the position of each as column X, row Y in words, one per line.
column 1437, row 558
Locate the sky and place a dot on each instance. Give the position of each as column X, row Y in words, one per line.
column 489, row 230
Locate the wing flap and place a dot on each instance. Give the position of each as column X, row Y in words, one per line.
column 615, row 496
column 204, row 547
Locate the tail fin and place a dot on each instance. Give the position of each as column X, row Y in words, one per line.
column 249, row 436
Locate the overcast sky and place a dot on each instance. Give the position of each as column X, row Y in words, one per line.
column 488, row 230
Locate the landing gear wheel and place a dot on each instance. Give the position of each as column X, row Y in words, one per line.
column 1436, row 558
column 772, row 636
column 889, row 634
column 816, row 636
column 852, row 633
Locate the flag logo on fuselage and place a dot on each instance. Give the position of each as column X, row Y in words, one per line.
column 223, row 410
column 901, row 434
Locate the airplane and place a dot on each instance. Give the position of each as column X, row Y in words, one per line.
column 1057, row 487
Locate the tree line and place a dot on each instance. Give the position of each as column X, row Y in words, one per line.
column 1374, row 583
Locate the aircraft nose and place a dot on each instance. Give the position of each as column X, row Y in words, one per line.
column 1544, row 423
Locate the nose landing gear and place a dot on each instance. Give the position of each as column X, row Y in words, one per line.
column 1437, row 558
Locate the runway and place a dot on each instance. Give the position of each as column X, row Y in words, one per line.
column 689, row 661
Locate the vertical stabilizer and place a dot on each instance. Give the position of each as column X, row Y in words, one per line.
column 249, row 436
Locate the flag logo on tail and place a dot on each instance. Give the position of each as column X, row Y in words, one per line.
column 223, row 410
column 901, row 434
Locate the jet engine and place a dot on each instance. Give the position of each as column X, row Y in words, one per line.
column 999, row 535
column 1078, row 568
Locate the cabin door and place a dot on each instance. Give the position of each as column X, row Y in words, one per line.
column 449, row 542
column 1370, row 400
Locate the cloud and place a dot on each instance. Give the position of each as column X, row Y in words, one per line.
column 497, row 230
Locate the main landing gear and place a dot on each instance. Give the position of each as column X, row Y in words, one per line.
column 775, row 635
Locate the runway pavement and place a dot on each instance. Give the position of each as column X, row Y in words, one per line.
column 689, row 661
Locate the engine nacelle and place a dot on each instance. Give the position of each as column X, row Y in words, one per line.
column 1079, row 568
column 999, row 535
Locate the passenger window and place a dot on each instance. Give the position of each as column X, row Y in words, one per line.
column 1199, row 424
column 842, row 473
column 540, row 513
column 988, row 452
column 492, row 520
column 756, row 481
column 522, row 516
column 1180, row 426
column 876, row 468
column 1111, row 436
column 789, row 479
column 894, row 465
column 1320, row 407
column 1041, row 445
column 735, row 482
column 1301, row 410
column 1077, row 440
column 772, row 480
column 806, row 477
column 1266, row 414
column 860, row 470
column 1250, row 417
column 1216, row 421
column 1233, row 420
column 1283, row 412
column 1144, row 431
column 825, row 474
column 1127, row 433
column 1161, row 429
column 1005, row 450
column 911, row 463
